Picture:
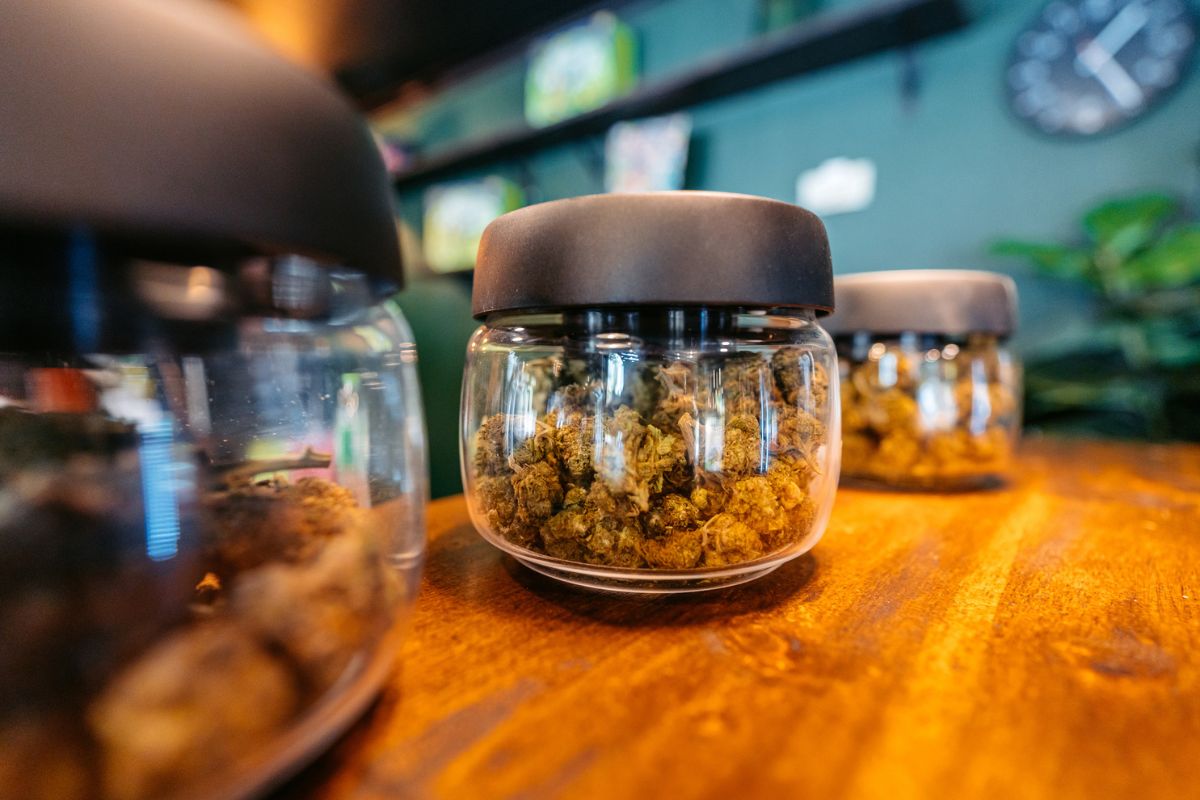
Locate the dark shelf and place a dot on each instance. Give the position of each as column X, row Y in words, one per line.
column 823, row 41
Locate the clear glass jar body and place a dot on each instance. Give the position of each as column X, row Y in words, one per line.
column 928, row 411
column 651, row 449
column 207, row 544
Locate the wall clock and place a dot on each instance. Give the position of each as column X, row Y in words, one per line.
column 1084, row 67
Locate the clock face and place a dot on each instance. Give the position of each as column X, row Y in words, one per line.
column 1087, row 66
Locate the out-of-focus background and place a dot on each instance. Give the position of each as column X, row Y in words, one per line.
column 1058, row 142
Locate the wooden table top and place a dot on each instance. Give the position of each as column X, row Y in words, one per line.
column 1040, row 641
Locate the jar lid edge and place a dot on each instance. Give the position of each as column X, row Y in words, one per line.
column 944, row 301
column 657, row 248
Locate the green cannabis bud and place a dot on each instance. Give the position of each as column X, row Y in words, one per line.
column 928, row 419
column 695, row 464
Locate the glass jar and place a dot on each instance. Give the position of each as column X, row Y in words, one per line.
column 210, row 521
column 212, row 469
column 646, row 408
column 931, row 394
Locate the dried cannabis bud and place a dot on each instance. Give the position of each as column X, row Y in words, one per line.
column 298, row 589
column 132, row 676
column 695, row 465
column 178, row 713
column 927, row 422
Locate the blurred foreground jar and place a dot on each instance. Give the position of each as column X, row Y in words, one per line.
column 212, row 468
column 931, row 394
column 208, row 529
column 648, row 405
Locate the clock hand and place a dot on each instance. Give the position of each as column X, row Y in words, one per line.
column 1123, row 27
column 1099, row 56
column 1114, row 78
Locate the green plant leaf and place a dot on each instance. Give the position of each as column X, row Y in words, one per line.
column 1136, row 371
column 1164, row 302
column 1174, row 261
column 1100, row 392
column 1126, row 224
column 1162, row 343
column 1058, row 260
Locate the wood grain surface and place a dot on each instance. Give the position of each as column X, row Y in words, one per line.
column 1039, row 641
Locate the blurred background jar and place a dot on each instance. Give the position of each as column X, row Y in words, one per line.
column 648, row 404
column 212, row 464
column 931, row 393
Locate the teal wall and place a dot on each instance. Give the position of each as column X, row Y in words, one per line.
column 955, row 169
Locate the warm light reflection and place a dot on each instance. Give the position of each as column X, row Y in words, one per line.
column 288, row 27
column 204, row 285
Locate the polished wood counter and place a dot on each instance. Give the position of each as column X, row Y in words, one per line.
column 1037, row 642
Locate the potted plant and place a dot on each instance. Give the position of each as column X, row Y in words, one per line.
column 1136, row 373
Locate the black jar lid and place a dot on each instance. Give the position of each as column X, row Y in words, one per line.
column 654, row 249
column 943, row 301
column 172, row 124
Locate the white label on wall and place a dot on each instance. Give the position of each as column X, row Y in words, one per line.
column 837, row 186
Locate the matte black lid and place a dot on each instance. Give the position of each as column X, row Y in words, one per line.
column 945, row 301
column 171, row 121
column 660, row 248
